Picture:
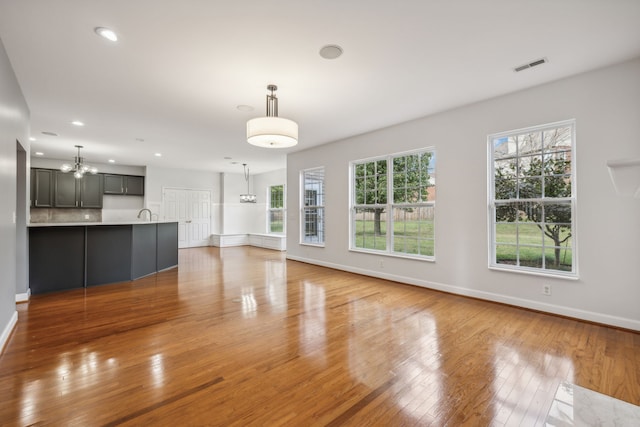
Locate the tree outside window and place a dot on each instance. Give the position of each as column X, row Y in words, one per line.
column 276, row 209
column 532, row 201
column 393, row 204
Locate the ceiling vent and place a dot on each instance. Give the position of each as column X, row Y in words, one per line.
column 531, row 64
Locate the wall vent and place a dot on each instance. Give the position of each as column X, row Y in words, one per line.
column 531, row 64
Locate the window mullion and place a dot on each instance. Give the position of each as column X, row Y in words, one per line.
column 390, row 212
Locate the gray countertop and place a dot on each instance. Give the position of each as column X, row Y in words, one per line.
column 86, row 223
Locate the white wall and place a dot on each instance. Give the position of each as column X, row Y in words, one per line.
column 14, row 127
column 159, row 178
column 121, row 208
column 246, row 218
column 606, row 106
column 238, row 218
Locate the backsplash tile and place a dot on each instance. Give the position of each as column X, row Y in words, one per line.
column 59, row 215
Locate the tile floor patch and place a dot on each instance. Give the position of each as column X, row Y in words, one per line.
column 577, row 406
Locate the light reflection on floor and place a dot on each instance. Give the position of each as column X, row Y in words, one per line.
column 519, row 377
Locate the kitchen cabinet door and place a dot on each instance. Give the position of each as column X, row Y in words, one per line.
column 71, row 192
column 66, row 191
column 91, row 189
column 134, row 185
column 128, row 185
column 113, row 184
column 41, row 188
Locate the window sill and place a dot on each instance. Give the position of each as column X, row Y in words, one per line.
column 549, row 274
column 393, row 255
column 317, row 245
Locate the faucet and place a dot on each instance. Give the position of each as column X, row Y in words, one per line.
column 145, row 209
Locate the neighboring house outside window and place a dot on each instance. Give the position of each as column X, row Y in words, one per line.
column 393, row 204
column 312, row 210
column 532, row 200
column 276, row 209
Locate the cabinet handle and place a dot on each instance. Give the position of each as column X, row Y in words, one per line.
column 76, row 203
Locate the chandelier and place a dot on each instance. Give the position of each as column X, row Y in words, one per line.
column 79, row 168
column 272, row 131
column 247, row 198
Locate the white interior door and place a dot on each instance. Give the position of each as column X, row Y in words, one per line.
column 192, row 210
column 199, row 224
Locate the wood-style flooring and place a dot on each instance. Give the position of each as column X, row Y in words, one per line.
column 243, row 337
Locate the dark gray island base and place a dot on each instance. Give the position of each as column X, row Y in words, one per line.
column 75, row 256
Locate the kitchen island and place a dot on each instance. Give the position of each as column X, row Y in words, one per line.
column 75, row 255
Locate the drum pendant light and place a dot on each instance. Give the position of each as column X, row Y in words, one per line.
column 272, row 131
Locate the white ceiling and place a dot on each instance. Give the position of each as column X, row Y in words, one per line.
column 180, row 68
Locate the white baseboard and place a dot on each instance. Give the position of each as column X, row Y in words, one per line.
column 590, row 316
column 229, row 240
column 7, row 330
column 268, row 241
column 24, row 297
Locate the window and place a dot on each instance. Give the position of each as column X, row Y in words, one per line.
column 276, row 209
column 532, row 201
column 393, row 204
column 313, row 206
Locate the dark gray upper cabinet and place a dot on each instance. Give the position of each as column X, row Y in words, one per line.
column 113, row 184
column 124, row 185
column 134, row 185
column 66, row 194
column 91, row 189
column 41, row 188
column 70, row 192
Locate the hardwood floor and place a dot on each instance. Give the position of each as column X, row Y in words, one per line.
column 240, row 336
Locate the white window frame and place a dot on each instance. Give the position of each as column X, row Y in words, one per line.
column 390, row 207
column 571, row 201
column 283, row 209
column 306, row 206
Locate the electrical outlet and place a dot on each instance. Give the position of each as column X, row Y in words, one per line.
column 546, row 289
column 86, row 216
column 381, row 263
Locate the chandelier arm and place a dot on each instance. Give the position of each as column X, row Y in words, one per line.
column 79, row 167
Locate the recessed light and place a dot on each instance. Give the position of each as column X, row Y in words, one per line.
column 39, row 153
column 46, row 132
column 158, row 154
column 140, row 139
column 227, row 158
column 244, row 108
column 111, row 161
column 106, row 33
column 77, row 123
column 331, row 51
column 31, row 138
